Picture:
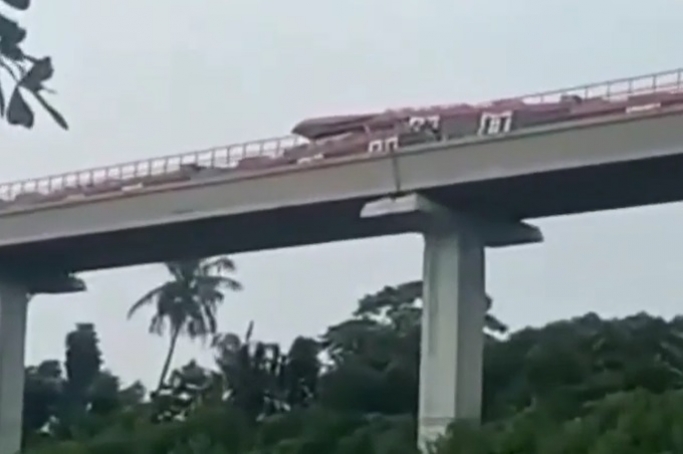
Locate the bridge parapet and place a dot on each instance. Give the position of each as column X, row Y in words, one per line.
column 616, row 89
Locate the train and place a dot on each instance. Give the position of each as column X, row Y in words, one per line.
column 391, row 130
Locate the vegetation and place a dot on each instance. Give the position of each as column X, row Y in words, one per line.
column 187, row 304
column 585, row 385
column 28, row 73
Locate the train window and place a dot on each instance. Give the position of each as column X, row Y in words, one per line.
column 417, row 123
column 391, row 143
column 495, row 123
column 380, row 145
column 375, row 146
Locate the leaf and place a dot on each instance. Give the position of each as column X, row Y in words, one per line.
column 2, row 102
column 21, row 5
column 41, row 71
column 11, row 51
column 56, row 116
column 4, row 65
column 18, row 111
column 10, row 31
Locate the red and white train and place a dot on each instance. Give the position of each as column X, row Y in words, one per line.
column 394, row 129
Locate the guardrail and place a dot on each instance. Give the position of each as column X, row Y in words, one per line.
column 218, row 157
column 616, row 89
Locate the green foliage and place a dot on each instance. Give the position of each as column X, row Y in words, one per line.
column 635, row 422
column 187, row 303
column 261, row 380
column 580, row 386
column 77, row 403
column 82, row 364
column 29, row 73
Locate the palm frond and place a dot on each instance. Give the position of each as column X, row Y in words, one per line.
column 219, row 265
column 219, row 282
column 209, row 315
column 250, row 332
column 188, row 303
column 157, row 325
column 146, row 299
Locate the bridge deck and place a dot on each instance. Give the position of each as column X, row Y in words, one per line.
column 593, row 165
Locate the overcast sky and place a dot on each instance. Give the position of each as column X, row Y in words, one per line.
column 141, row 78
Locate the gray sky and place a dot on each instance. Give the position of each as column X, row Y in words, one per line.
column 139, row 78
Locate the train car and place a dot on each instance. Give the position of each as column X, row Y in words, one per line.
column 328, row 127
column 392, row 129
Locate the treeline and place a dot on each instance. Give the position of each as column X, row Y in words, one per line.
column 581, row 386
column 585, row 385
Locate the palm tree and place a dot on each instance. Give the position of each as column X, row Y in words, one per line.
column 187, row 303
column 261, row 379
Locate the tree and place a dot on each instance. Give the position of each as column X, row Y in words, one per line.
column 43, row 392
column 57, row 399
column 29, row 73
column 82, row 364
column 374, row 355
column 63, row 401
column 186, row 389
column 261, row 379
column 187, row 303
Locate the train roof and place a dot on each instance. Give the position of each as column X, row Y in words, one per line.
column 321, row 127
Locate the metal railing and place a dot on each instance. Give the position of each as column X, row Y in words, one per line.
column 615, row 90
column 223, row 157
column 228, row 156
